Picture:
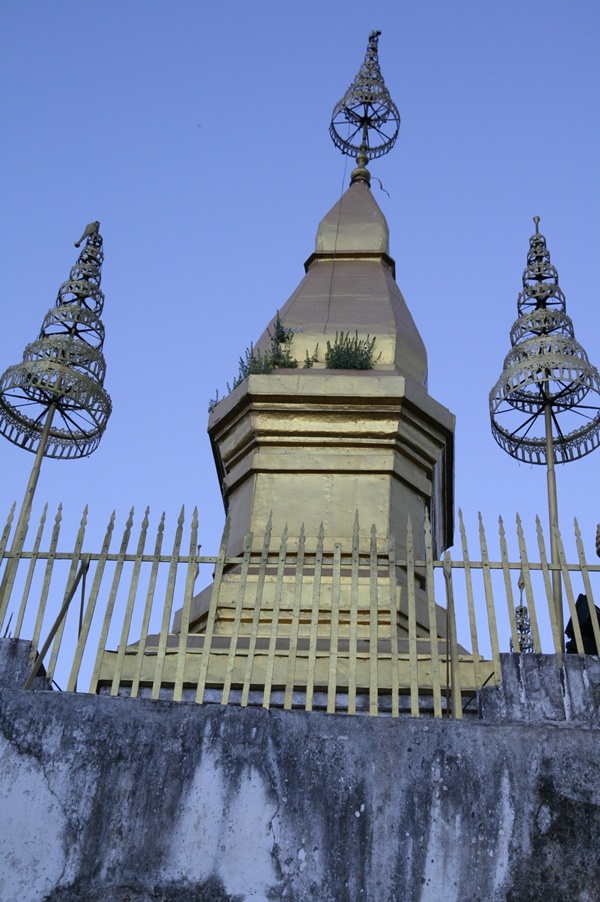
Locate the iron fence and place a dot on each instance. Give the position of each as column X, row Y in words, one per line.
column 293, row 622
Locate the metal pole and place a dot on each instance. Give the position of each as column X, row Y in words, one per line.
column 21, row 529
column 553, row 514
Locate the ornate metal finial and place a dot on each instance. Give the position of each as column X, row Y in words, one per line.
column 536, row 219
column 92, row 228
column 366, row 121
column 56, row 396
column 522, row 623
column 546, row 374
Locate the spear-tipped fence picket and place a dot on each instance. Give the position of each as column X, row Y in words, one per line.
column 103, row 621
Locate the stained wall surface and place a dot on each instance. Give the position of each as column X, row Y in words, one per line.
column 132, row 799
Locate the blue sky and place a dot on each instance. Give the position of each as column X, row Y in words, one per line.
column 197, row 132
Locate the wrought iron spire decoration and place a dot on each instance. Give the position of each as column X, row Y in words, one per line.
column 546, row 375
column 55, row 399
column 366, row 120
column 54, row 403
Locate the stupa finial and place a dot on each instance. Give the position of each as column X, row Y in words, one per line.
column 546, row 377
column 55, row 398
column 366, row 120
column 54, row 403
column 546, row 374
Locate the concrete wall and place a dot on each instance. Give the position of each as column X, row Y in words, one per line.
column 130, row 799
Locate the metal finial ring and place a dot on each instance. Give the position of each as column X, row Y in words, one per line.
column 60, row 382
column 546, row 375
column 365, row 122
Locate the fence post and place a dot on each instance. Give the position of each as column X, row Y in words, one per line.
column 587, row 585
column 275, row 619
column 489, row 598
column 314, row 622
column 83, row 568
column 394, row 662
column 135, row 576
column 295, row 624
column 260, row 584
column 165, row 626
column 141, row 648
column 413, row 661
column 237, row 617
column 433, row 636
column 452, row 642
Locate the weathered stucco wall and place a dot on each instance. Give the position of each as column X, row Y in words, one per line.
column 119, row 799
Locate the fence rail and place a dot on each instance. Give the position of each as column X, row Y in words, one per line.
column 294, row 622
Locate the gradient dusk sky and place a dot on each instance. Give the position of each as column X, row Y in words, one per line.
column 197, row 133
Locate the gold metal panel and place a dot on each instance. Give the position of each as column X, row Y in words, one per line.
column 371, row 441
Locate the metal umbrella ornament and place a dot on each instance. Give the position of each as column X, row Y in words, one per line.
column 366, row 121
column 54, row 403
column 545, row 407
